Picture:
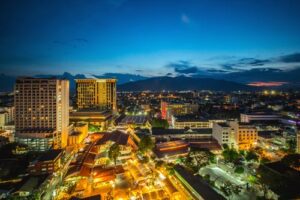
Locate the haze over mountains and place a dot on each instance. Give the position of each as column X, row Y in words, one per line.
column 217, row 81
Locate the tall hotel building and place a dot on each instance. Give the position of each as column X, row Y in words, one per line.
column 42, row 112
column 96, row 94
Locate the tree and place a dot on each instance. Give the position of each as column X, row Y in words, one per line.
column 251, row 155
column 230, row 155
column 292, row 144
column 239, row 170
column 229, row 189
column 114, row 152
column 146, row 144
column 159, row 123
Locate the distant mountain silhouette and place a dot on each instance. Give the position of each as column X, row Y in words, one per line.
column 183, row 83
column 65, row 75
column 126, row 81
column 7, row 82
column 264, row 74
column 122, row 78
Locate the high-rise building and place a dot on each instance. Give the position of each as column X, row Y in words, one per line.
column 96, row 94
column 42, row 112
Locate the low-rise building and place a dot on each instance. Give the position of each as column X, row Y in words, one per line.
column 190, row 121
column 48, row 163
column 223, row 133
column 101, row 119
column 79, row 133
column 259, row 116
column 102, row 146
column 172, row 149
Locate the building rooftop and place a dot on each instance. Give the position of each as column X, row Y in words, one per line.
column 50, row 155
column 190, row 118
column 172, row 148
column 162, row 131
column 116, row 136
column 223, row 124
column 137, row 119
column 198, row 184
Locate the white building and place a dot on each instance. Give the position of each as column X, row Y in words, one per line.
column 235, row 134
column 223, row 133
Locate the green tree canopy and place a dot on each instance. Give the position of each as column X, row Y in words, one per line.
column 114, row 152
column 251, row 155
column 146, row 144
column 230, row 155
column 159, row 123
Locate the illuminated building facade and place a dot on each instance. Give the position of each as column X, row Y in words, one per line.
column 42, row 112
column 236, row 134
column 245, row 135
column 96, row 94
column 170, row 109
column 80, row 132
column 48, row 163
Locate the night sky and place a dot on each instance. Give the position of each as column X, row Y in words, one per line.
column 148, row 37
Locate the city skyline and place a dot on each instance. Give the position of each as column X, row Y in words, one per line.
column 154, row 38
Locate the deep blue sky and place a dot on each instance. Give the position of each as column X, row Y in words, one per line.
column 150, row 37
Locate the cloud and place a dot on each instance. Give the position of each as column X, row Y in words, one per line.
column 217, row 71
column 183, row 67
column 240, row 63
column 228, row 66
column 290, row 58
column 185, row 19
column 253, row 61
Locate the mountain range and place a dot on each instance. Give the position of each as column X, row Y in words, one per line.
column 181, row 83
column 236, row 80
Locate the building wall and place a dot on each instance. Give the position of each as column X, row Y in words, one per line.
column 45, row 167
column 224, row 135
column 42, row 104
column 96, row 94
column 2, row 120
column 192, row 125
column 82, row 133
column 245, row 136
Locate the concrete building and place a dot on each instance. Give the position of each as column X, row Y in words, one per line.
column 79, row 133
column 7, row 115
column 223, row 133
column 170, row 109
column 48, row 163
column 236, row 134
column 42, row 112
column 100, row 119
column 259, row 116
column 96, row 94
column 190, row 121
column 3, row 117
column 245, row 135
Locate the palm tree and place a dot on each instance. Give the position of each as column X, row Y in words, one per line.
column 114, row 152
